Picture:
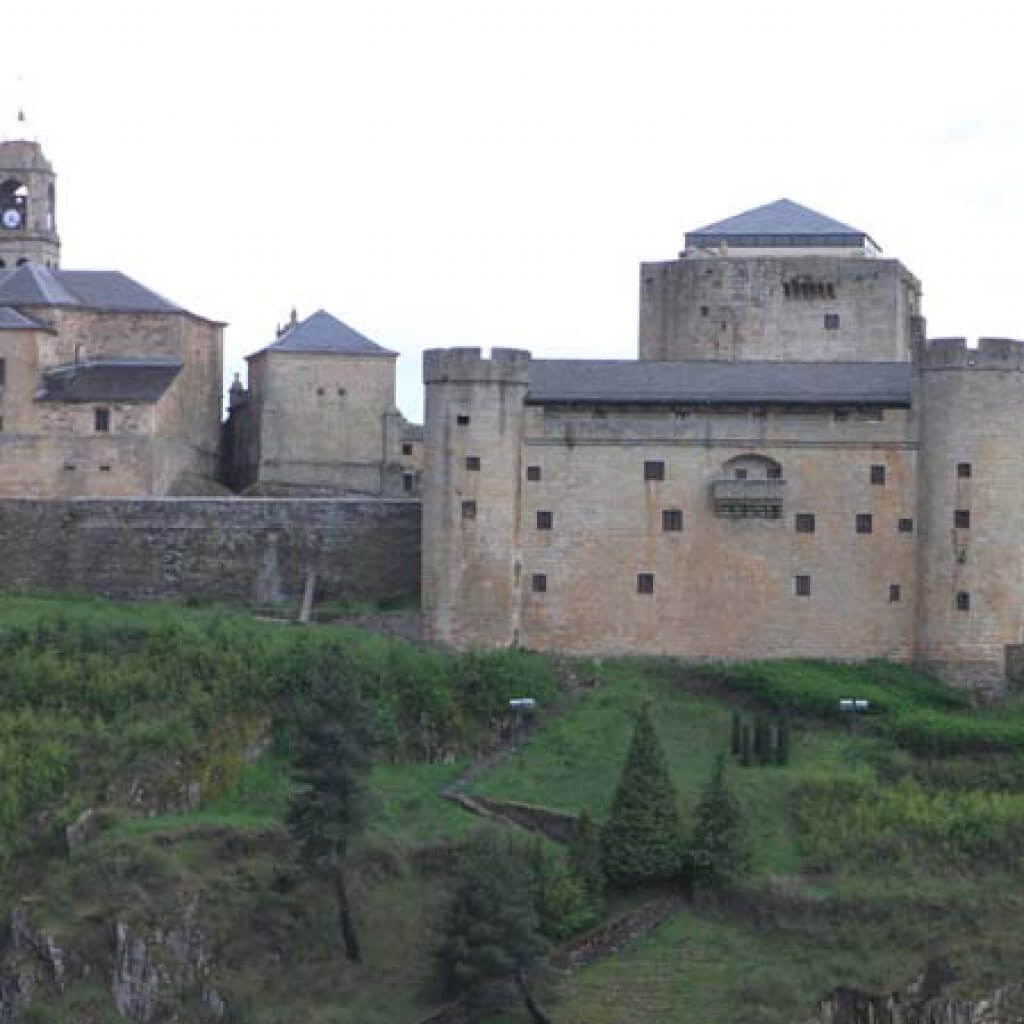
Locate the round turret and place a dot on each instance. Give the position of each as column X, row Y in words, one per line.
column 970, row 514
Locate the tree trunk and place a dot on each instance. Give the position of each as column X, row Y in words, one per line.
column 533, row 1008
column 345, row 925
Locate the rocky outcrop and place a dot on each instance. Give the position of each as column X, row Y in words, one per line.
column 156, row 973
column 853, row 1006
column 156, row 968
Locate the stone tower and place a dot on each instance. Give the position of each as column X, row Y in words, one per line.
column 471, row 495
column 28, row 230
column 970, row 516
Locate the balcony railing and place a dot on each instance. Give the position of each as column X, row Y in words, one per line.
column 748, row 499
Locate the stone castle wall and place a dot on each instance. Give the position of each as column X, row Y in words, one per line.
column 232, row 549
column 736, row 307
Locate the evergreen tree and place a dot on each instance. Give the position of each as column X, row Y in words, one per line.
column 765, row 746
column 782, row 750
column 585, row 855
column 333, row 743
column 736, row 733
column 745, row 747
column 642, row 838
column 759, row 739
column 492, row 935
column 719, row 851
column 563, row 904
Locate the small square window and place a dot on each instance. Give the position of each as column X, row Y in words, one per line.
column 741, row 474
column 906, row 526
column 878, row 475
column 805, row 522
column 654, row 470
column 963, row 470
column 320, row 392
column 469, row 510
column 473, row 463
column 863, row 522
column 894, row 593
column 703, row 310
column 407, row 481
column 645, row 582
column 545, row 518
column 962, row 518
column 462, row 420
column 539, row 583
column 407, row 449
column 963, row 601
column 341, row 392
column 105, row 467
column 101, row 419
column 3, row 372
column 671, row 519
column 69, row 467
column 533, row 473
column 1, row 423
column 831, row 321
column 802, row 586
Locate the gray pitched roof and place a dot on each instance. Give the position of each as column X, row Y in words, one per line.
column 108, row 290
column 412, row 432
column 12, row 320
column 718, row 383
column 108, row 380
column 777, row 224
column 322, row 332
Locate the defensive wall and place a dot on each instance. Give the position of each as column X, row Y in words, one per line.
column 232, row 549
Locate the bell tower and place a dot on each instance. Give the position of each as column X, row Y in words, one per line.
column 28, row 229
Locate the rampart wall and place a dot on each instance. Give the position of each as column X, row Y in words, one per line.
column 233, row 549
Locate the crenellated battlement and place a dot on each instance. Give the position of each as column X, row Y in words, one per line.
column 954, row 354
column 466, row 365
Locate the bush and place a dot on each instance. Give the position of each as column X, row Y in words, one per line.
column 642, row 839
column 719, row 850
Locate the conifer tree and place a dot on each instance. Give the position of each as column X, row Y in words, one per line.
column 719, row 851
column 736, row 733
column 585, row 855
column 642, row 839
column 492, row 937
column 333, row 754
column 745, row 747
column 782, row 750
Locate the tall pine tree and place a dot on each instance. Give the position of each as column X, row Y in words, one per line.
column 642, row 839
column 333, row 755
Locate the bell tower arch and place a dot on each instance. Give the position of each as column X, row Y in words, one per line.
column 28, row 226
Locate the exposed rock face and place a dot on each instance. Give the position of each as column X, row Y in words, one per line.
column 157, row 973
column 33, row 961
column 853, row 1006
column 154, row 968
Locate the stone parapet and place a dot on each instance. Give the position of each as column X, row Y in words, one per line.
column 954, row 354
column 467, row 366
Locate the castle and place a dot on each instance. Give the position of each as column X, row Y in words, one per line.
column 788, row 469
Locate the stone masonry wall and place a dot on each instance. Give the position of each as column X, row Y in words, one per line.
column 722, row 587
column 229, row 549
column 736, row 308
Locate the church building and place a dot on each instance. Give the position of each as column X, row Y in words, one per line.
column 788, row 469
column 106, row 388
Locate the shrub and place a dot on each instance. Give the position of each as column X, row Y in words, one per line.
column 642, row 839
column 719, row 850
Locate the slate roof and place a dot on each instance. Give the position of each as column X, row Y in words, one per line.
column 412, row 432
column 12, row 320
column 322, row 332
column 782, row 223
column 108, row 380
column 717, row 383
column 107, row 290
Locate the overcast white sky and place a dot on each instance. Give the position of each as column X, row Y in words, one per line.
column 478, row 173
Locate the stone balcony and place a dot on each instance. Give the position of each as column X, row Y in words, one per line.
column 748, row 499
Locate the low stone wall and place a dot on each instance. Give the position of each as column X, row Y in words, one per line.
column 232, row 549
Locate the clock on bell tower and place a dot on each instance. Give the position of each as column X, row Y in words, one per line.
column 28, row 230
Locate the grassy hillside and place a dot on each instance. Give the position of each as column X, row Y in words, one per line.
column 889, row 838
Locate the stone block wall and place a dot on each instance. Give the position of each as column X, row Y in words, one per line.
column 735, row 307
column 232, row 549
